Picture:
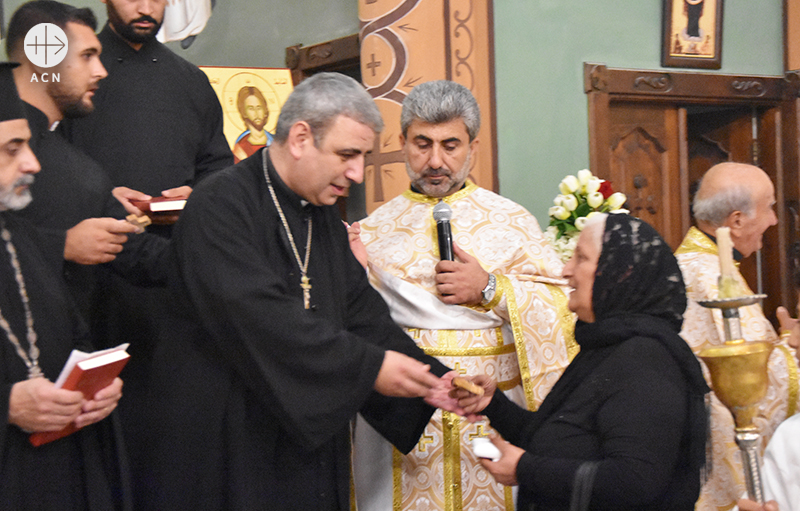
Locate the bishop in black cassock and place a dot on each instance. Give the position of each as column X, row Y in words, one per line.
column 253, row 394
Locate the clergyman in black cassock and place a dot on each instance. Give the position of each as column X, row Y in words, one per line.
column 40, row 327
column 254, row 391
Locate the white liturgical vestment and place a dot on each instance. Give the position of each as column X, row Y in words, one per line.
column 523, row 339
column 703, row 328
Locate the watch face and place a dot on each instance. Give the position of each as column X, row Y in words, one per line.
column 488, row 291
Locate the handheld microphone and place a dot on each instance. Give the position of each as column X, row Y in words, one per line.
column 442, row 215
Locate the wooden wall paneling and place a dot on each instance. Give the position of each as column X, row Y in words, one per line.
column 683, row 171
column 776, row 244
column 598, row 102
column 790, row 152
column 682, row 87
column 342, row 55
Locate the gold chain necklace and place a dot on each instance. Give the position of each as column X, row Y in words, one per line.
column 31, row 358
column 305, row 282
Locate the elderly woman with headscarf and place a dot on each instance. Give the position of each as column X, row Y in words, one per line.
column 625, row 426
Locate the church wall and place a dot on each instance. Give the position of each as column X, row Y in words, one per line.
column 540, row 49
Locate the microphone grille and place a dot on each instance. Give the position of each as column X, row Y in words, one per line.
column 442, row 212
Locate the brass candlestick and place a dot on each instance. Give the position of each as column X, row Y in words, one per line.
column 739, row 380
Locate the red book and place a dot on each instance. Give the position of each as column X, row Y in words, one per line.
column 89, row 373
column 164, row 205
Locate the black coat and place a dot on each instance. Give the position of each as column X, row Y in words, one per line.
column 85, row 470
column 70, row 188
column 254, row 395
column 629, row 414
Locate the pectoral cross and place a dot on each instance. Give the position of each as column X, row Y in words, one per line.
column 305, row 283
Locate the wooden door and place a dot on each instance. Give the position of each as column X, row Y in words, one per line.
column 654, row 134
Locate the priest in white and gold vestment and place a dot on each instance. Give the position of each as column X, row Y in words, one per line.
column 498, row 309
column 741, row 197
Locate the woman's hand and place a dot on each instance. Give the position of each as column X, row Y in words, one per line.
column 504, row 470
column 473, row 404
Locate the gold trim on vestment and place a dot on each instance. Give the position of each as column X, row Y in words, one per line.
column 507, row 385
column 794, row 385
column 481, row 351
column 504, row 283
column 508, row 492
column 451, row 431
column 397, row 480
column 413, row 196
column 697, row 241
column 566, row 319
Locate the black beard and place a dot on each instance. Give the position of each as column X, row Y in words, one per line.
column 77, row 110
column 70, row 107
column 127, row 30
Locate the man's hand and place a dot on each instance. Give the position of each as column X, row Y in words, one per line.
column 101, row 405
column 356, row 245
column 37, row 405
column 180, row 191
column 97, row 240
column 504, row 470
column 749, row 505
column 124, row 195
column 444, row 396
column 403, row 376
column 461, row 282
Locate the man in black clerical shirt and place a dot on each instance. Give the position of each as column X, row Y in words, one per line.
column 73, row 203
column 279, row 340
column 156, row 130
column 39, row 329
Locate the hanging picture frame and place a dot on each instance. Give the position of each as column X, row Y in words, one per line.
column 692, row 34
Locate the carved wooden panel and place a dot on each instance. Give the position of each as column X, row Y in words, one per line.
column 340, row 55
column 640, row 136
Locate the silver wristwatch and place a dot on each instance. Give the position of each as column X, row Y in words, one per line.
column 490, row 289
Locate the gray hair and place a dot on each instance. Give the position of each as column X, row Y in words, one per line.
column 441, row 101
column 323, row 97
column 716, row 208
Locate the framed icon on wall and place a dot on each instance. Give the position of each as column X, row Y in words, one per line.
column 251, row 100
column 692, row 34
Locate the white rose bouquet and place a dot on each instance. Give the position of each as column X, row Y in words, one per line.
column 581, row 197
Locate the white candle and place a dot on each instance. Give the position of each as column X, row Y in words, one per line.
column 725, row 250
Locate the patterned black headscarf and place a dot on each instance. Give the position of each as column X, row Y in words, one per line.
column 637, row 274
column 638, row 292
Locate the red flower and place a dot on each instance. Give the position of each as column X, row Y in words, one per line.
column 605, row 189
